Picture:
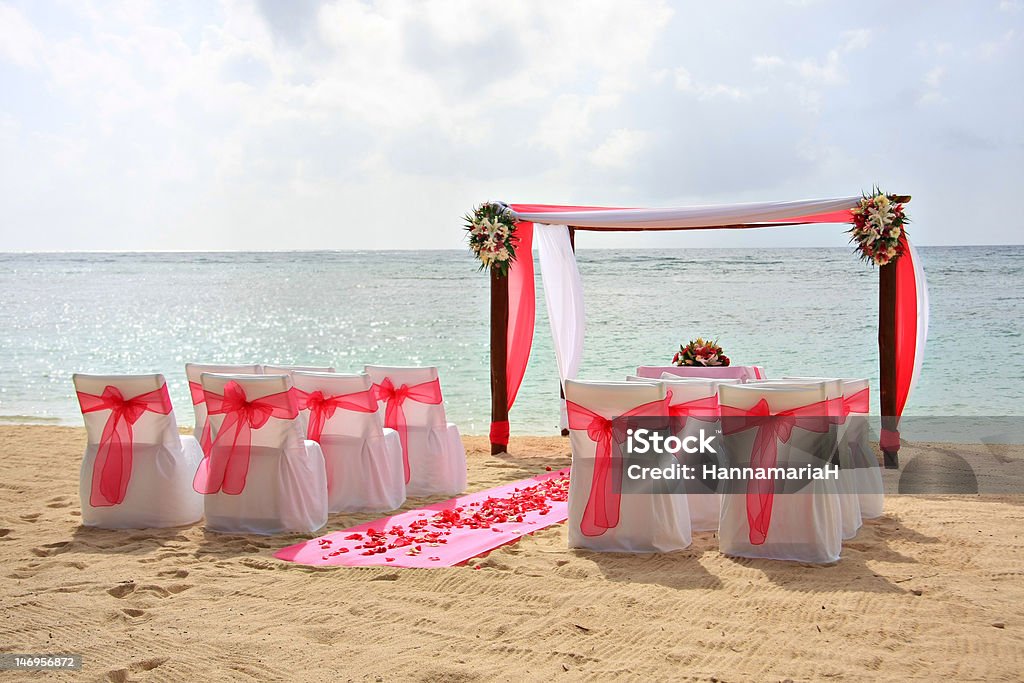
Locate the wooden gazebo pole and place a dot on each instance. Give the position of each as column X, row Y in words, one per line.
column 499, row 353
column 887, row 358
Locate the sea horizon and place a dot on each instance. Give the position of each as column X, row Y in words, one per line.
column 348, row 308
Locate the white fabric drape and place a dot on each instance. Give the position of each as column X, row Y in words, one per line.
column 563, row 293
column 690, row 216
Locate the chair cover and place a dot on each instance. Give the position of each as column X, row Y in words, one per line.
column 137, row 469
column 434, row 456
column 260, row 476
column 291, row 369
column 639, row 522
column 364, row 461
column 783, row 520
column 741, row 372
column 868, row 473
column 846, row 484
column 194, row 371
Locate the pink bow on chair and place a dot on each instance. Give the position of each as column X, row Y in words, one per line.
column 394, row 415
column 113, row 466
column 226, row 465
column 602, row 510
column 322, row 408
column 772, row 428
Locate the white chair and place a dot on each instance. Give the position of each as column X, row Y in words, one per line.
column 365, row 471
column 435, row 458
column 740, row 372
column 846, row 486
column 292, row 369
column 260, row 476
column 137, row 469
column 599, row 517
column 194, row 372
column 868, row 473
column 778, row 518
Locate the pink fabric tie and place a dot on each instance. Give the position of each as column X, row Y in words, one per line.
column 602, row 510
column 394, row 414
column 226, row 465
column 772, row 428
column 322, row 408
column 701, row 408
column 112, row 469
column 857, row 403
column 205, row 437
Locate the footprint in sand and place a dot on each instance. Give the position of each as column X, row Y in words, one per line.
column 132, row 612
column 123, row 675
column 4, row 533
column 31, row 517
column 59, row 502
column 50, row 549
column 122, row 589
column 176, row 573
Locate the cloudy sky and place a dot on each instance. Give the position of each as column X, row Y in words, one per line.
column 268, row 124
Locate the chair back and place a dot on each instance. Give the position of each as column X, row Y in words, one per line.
column 291, row 369
column 194, row 373
column 424, row 407
column 612, row 399
column 277, row 432
column 150, row 428
column 349, row 392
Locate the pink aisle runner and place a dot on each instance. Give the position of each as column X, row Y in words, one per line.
column 443, row 534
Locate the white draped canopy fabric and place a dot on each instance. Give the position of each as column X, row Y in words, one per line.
column 563, row 293
column 549, row 226
column 755, row 214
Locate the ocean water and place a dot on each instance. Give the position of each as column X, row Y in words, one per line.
column 795, row 311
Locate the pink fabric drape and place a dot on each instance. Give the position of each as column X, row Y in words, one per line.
column 112, row 468
column 394, row 413
column 226, row 466
column 205, row 438
column 602, row 509
column 772, row 428
column 322, row 407
column 906, row 324
column 522, row 313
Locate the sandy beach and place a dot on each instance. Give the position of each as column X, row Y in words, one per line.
column 932, row 590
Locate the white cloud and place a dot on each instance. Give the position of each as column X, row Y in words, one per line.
column 621, row 149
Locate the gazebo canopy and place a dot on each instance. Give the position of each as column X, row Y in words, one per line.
column 903, row 303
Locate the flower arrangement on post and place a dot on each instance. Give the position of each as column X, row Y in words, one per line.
column 699, row 352
column 491, row 232
column 877, row 228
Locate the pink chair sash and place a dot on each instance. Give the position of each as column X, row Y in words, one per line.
column 322, row 408
column 112, row 469
column 857, row 403
column 602, row 510
column 205, row 437
column 700, row 408
column 394, row 414
column 225, row 468
column 772, row 428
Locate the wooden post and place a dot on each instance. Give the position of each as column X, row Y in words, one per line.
column 887, row 356
column 499, row 353
column 561, row 391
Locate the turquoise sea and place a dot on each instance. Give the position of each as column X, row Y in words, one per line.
column 795, row 311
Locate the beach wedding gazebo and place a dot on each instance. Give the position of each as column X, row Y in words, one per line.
column 498, row 232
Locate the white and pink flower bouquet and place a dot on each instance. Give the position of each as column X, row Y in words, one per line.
column 701, row 353
column 877, row 228
column 491, row 232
